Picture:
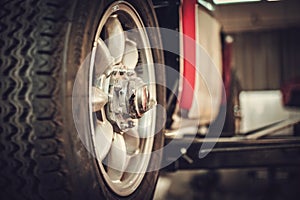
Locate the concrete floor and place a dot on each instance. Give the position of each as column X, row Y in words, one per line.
column 230, row 184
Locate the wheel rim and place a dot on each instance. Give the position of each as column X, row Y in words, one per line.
column 121, row 96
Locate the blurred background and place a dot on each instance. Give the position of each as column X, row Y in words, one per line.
column 264, row 41
column 241, row 184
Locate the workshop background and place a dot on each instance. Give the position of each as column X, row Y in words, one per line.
column 265, row 42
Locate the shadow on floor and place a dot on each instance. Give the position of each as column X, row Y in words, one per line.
column 230, row 184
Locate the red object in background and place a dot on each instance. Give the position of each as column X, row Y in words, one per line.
column 189, row 53
column 226, row 61
column 291, row 93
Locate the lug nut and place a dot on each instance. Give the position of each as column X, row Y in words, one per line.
column 124, row 125
column 131, row 124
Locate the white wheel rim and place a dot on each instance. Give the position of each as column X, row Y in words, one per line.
column 123, row 153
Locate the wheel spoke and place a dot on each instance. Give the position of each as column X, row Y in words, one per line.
column 103, row 138
column 132, row 140
column 103, row 58
column 99, row 99
column 115, row 38
column 117, row 158
column 130, row 58
column 133, row 164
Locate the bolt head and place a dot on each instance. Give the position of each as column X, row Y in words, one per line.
column 124, row 125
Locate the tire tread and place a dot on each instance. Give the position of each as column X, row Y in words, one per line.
column 32, row 155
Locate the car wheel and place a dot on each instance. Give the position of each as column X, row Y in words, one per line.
column 44, row 153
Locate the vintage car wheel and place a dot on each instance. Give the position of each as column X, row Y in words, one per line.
column 48, row 149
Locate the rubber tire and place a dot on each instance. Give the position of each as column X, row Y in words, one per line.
column 43, row 44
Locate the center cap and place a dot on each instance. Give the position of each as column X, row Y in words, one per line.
column 140, row 102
